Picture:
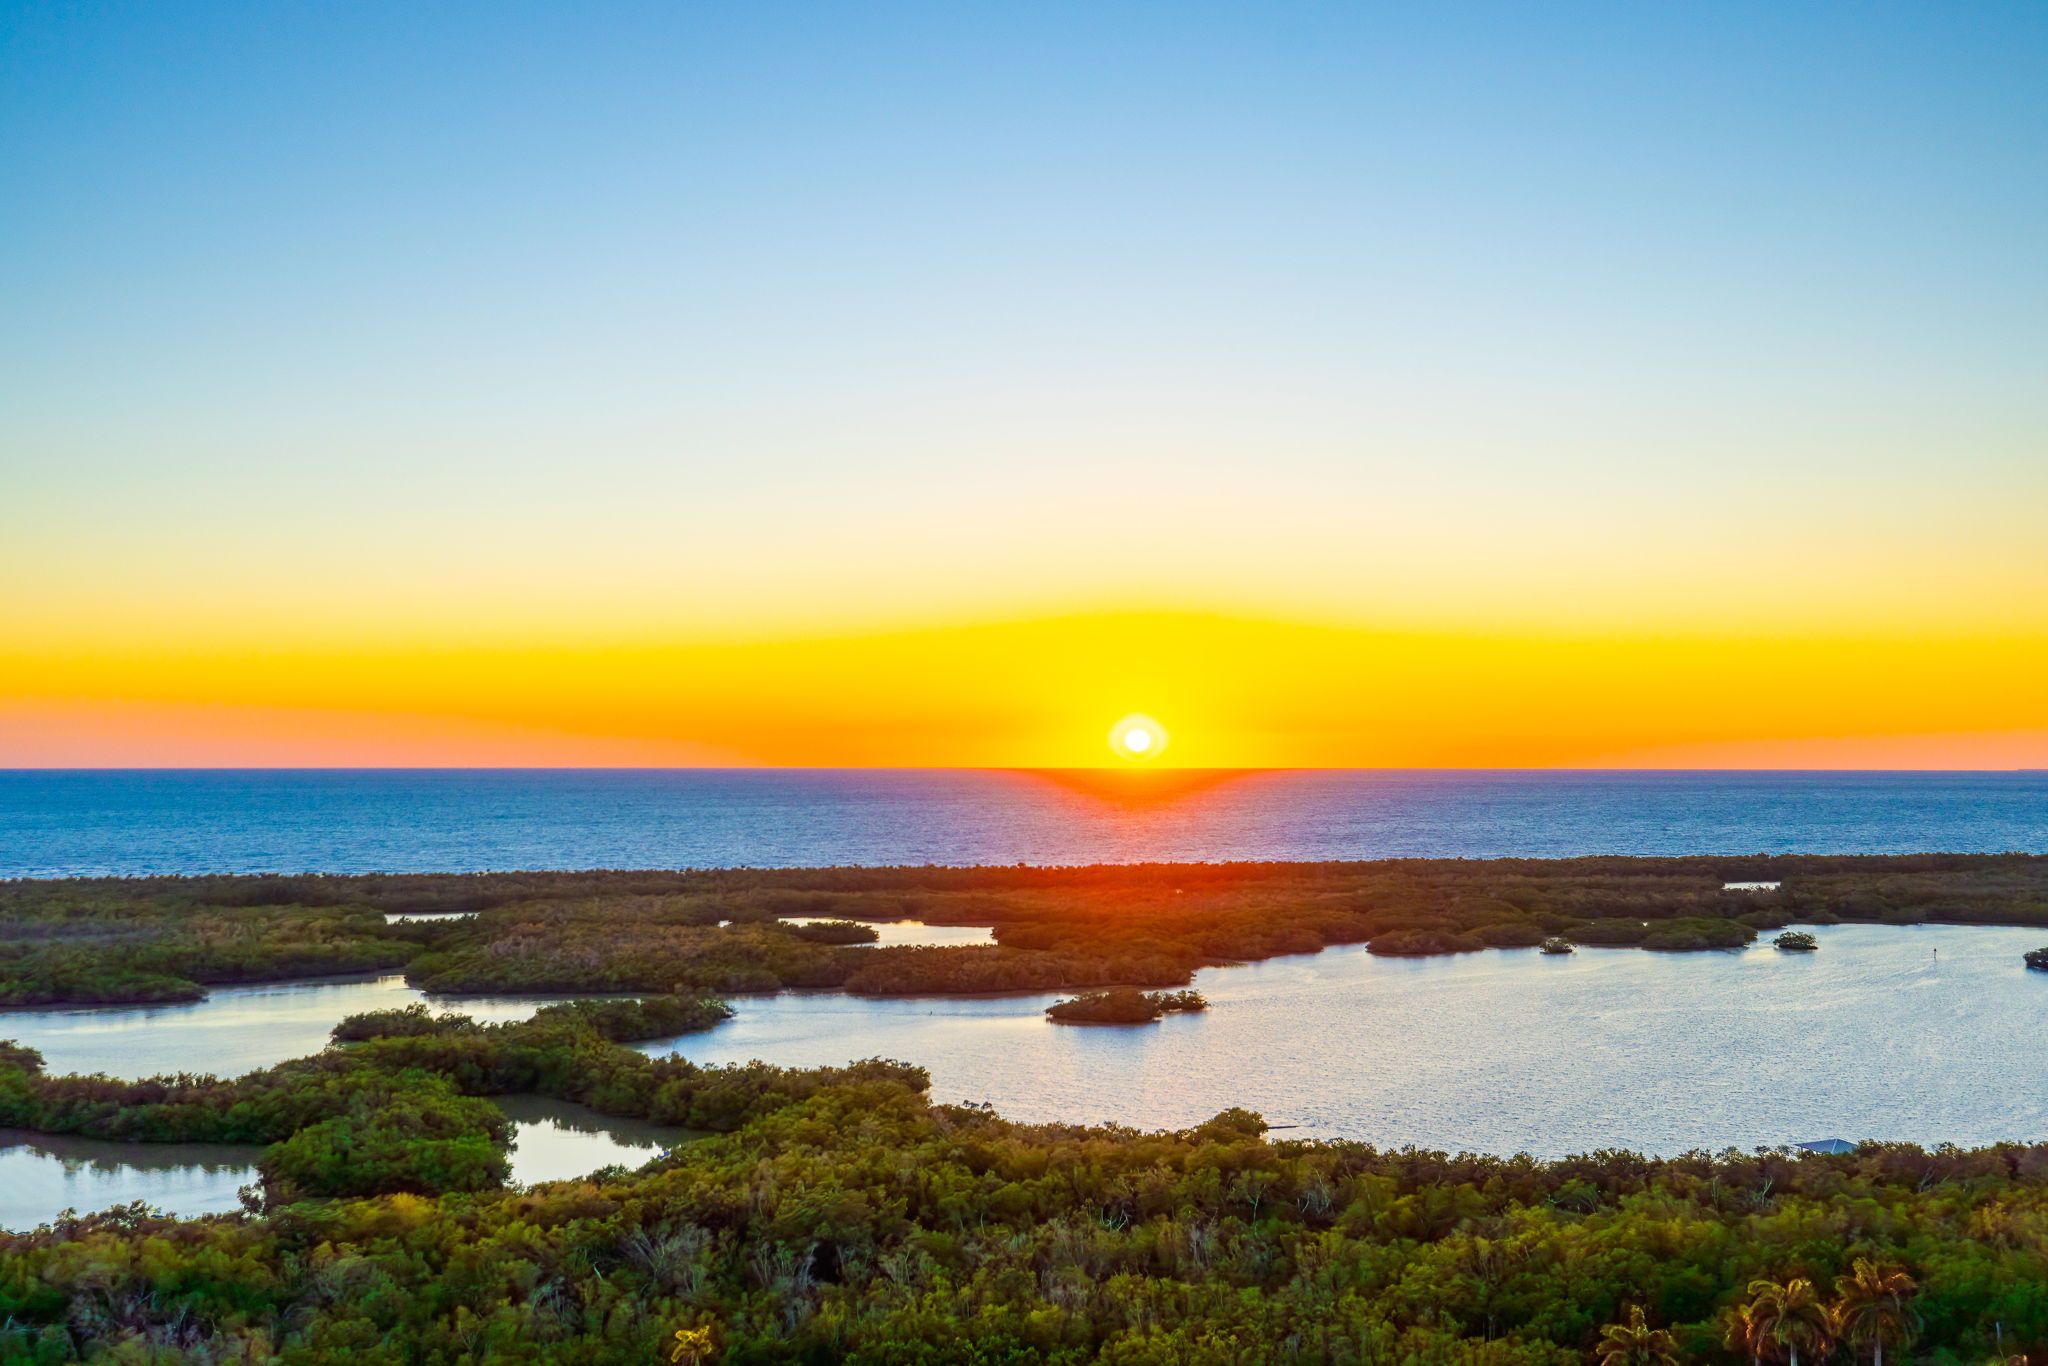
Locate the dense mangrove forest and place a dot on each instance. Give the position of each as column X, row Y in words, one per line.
column 838, row 1216
column 85, row 941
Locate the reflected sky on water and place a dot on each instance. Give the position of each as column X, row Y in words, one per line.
column 234, row 1030
column 559, row 1140
column 908, row 933
column 42, row 1175
column 1876, row 1035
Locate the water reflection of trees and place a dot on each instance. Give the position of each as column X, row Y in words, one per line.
column 109, row 1157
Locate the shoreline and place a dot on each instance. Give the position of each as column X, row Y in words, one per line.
column 552, row 995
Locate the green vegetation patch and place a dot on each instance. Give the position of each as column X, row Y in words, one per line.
column 841, row 1217
column 717, row 932
column 1125, row 1006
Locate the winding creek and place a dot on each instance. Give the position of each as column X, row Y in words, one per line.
column 1926, row 1033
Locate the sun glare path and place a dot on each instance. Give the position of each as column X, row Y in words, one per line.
column 1137, row 738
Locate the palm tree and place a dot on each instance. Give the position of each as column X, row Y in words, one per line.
column 1739, row 1332
column 1635, row 1343
column 692, row 1345
column 1792, row 1317
column 1872, row 1309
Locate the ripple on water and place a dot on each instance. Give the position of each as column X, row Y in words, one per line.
column 1874, row 1036
column 1504, row 1051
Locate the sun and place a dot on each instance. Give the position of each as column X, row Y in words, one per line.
column 1137, row 738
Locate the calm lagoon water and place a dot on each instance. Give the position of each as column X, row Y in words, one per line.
column 559, row 1140
column 232, row 1031
column 1874, row 1036
column 236, row 1030
column 903, row 934
column 56, row 824
column 1927, row 1034
column 42, row 1175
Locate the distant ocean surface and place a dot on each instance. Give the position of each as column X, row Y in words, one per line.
column 128, row 822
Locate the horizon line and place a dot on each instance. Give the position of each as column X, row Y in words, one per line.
column 1130, row 768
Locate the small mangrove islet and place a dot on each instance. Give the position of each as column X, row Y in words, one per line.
column 1125, row 1007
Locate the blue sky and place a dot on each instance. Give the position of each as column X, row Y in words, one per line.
column 659, row 324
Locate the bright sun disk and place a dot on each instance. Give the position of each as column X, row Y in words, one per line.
column 1137, row 737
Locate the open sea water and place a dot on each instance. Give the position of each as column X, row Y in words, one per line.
column 57, row 823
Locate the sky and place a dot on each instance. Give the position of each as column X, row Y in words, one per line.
column 1477, row 385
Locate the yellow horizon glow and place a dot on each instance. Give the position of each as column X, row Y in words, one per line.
column 1245, row 693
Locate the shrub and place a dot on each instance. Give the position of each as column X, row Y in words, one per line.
column 1691, row 934
column 435, row 1141
column 1509, row 934
column 834, row 932
column 1421, row 943
column 21, row 1058
column 1614, row 932
column 653, row 1017
column 404, row 1022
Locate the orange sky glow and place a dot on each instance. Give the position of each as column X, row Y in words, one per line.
column 1044, row 693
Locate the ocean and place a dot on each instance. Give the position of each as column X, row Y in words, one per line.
column 57, row 823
